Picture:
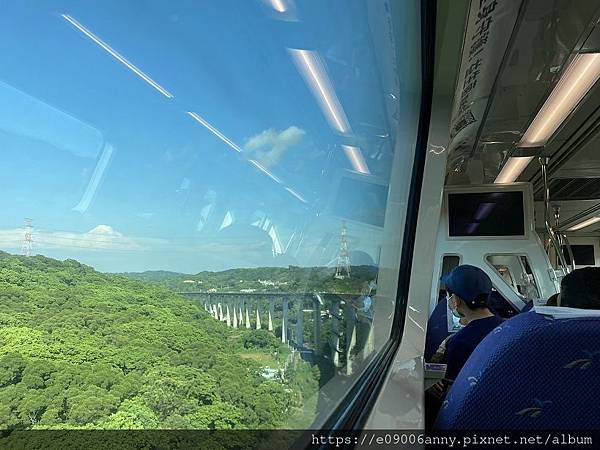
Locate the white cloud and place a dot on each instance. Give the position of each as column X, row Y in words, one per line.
column 100, row 238
column 269, row 146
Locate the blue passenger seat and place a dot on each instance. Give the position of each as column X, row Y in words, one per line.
column 532, row 372
column 437, row 327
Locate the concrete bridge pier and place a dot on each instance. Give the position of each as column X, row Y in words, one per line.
column 350, row 316
column 370, row 344
column 300, row 324
column 258, row 326
column 317, row 323
column 227, row 316
column 247, row 318
column 271, row 314
column 221, row 312
column 284, row 321
column 235, row 320
column 335, row 332
column 216, row 312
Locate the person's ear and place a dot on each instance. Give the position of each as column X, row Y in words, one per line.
column 452, row 301
column 458, row 301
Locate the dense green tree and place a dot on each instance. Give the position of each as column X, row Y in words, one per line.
column 11, row 369
column 133, row 414
column 82, row 349
column 261, row 339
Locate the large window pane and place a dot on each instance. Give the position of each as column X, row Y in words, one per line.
column 203, row 206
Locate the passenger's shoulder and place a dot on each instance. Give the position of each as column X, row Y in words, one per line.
column 458, row 337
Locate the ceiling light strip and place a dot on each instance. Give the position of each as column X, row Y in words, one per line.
column 295, row 194
column 584, row 224
column 576, row 81
column 264, row 170
column 214, row 131
column 512, row 169
column 312, row 69
column 356, row 159
column 279, row 6
column 117, row 56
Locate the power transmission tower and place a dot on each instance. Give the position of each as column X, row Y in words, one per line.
column 343, row 263
column 27, row 238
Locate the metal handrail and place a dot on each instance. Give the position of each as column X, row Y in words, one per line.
column 555, row 243
column 554, row 240
column 568, row 245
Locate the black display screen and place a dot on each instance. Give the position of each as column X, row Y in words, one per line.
column 583, row 255
column 486, row 214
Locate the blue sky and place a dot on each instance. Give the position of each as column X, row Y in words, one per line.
column 120, row 175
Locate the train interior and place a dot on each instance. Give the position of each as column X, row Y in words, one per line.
column 512, row 174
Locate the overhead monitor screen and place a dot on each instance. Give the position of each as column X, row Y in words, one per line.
column 583, row 255
column 474, row 214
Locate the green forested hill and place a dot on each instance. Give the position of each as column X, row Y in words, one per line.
column 264, row 279
column 79, row 348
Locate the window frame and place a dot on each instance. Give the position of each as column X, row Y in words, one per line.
column 441, row 268
column 567, row 256
column 354, row 409
column 518, row 255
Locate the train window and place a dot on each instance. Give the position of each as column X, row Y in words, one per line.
column 475, row 214
column 449, row 262
column 516, row 271
column 582, row 254
column 203, row 208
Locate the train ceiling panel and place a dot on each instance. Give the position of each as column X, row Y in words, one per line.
column 546, row 35
column 543, row 41
column 570, row 213
column 572, row 189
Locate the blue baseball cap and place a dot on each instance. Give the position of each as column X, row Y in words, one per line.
column 470, row 283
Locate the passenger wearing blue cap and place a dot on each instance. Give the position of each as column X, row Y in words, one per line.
column 467, row 290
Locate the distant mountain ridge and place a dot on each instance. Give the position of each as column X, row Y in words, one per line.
column 153, row 275
column 263, row 279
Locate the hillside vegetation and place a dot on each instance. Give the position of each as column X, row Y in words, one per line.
column 83, row 349
column 264, row 279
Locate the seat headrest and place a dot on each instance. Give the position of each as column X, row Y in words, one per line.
column 561, row 312
column 533, row 372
